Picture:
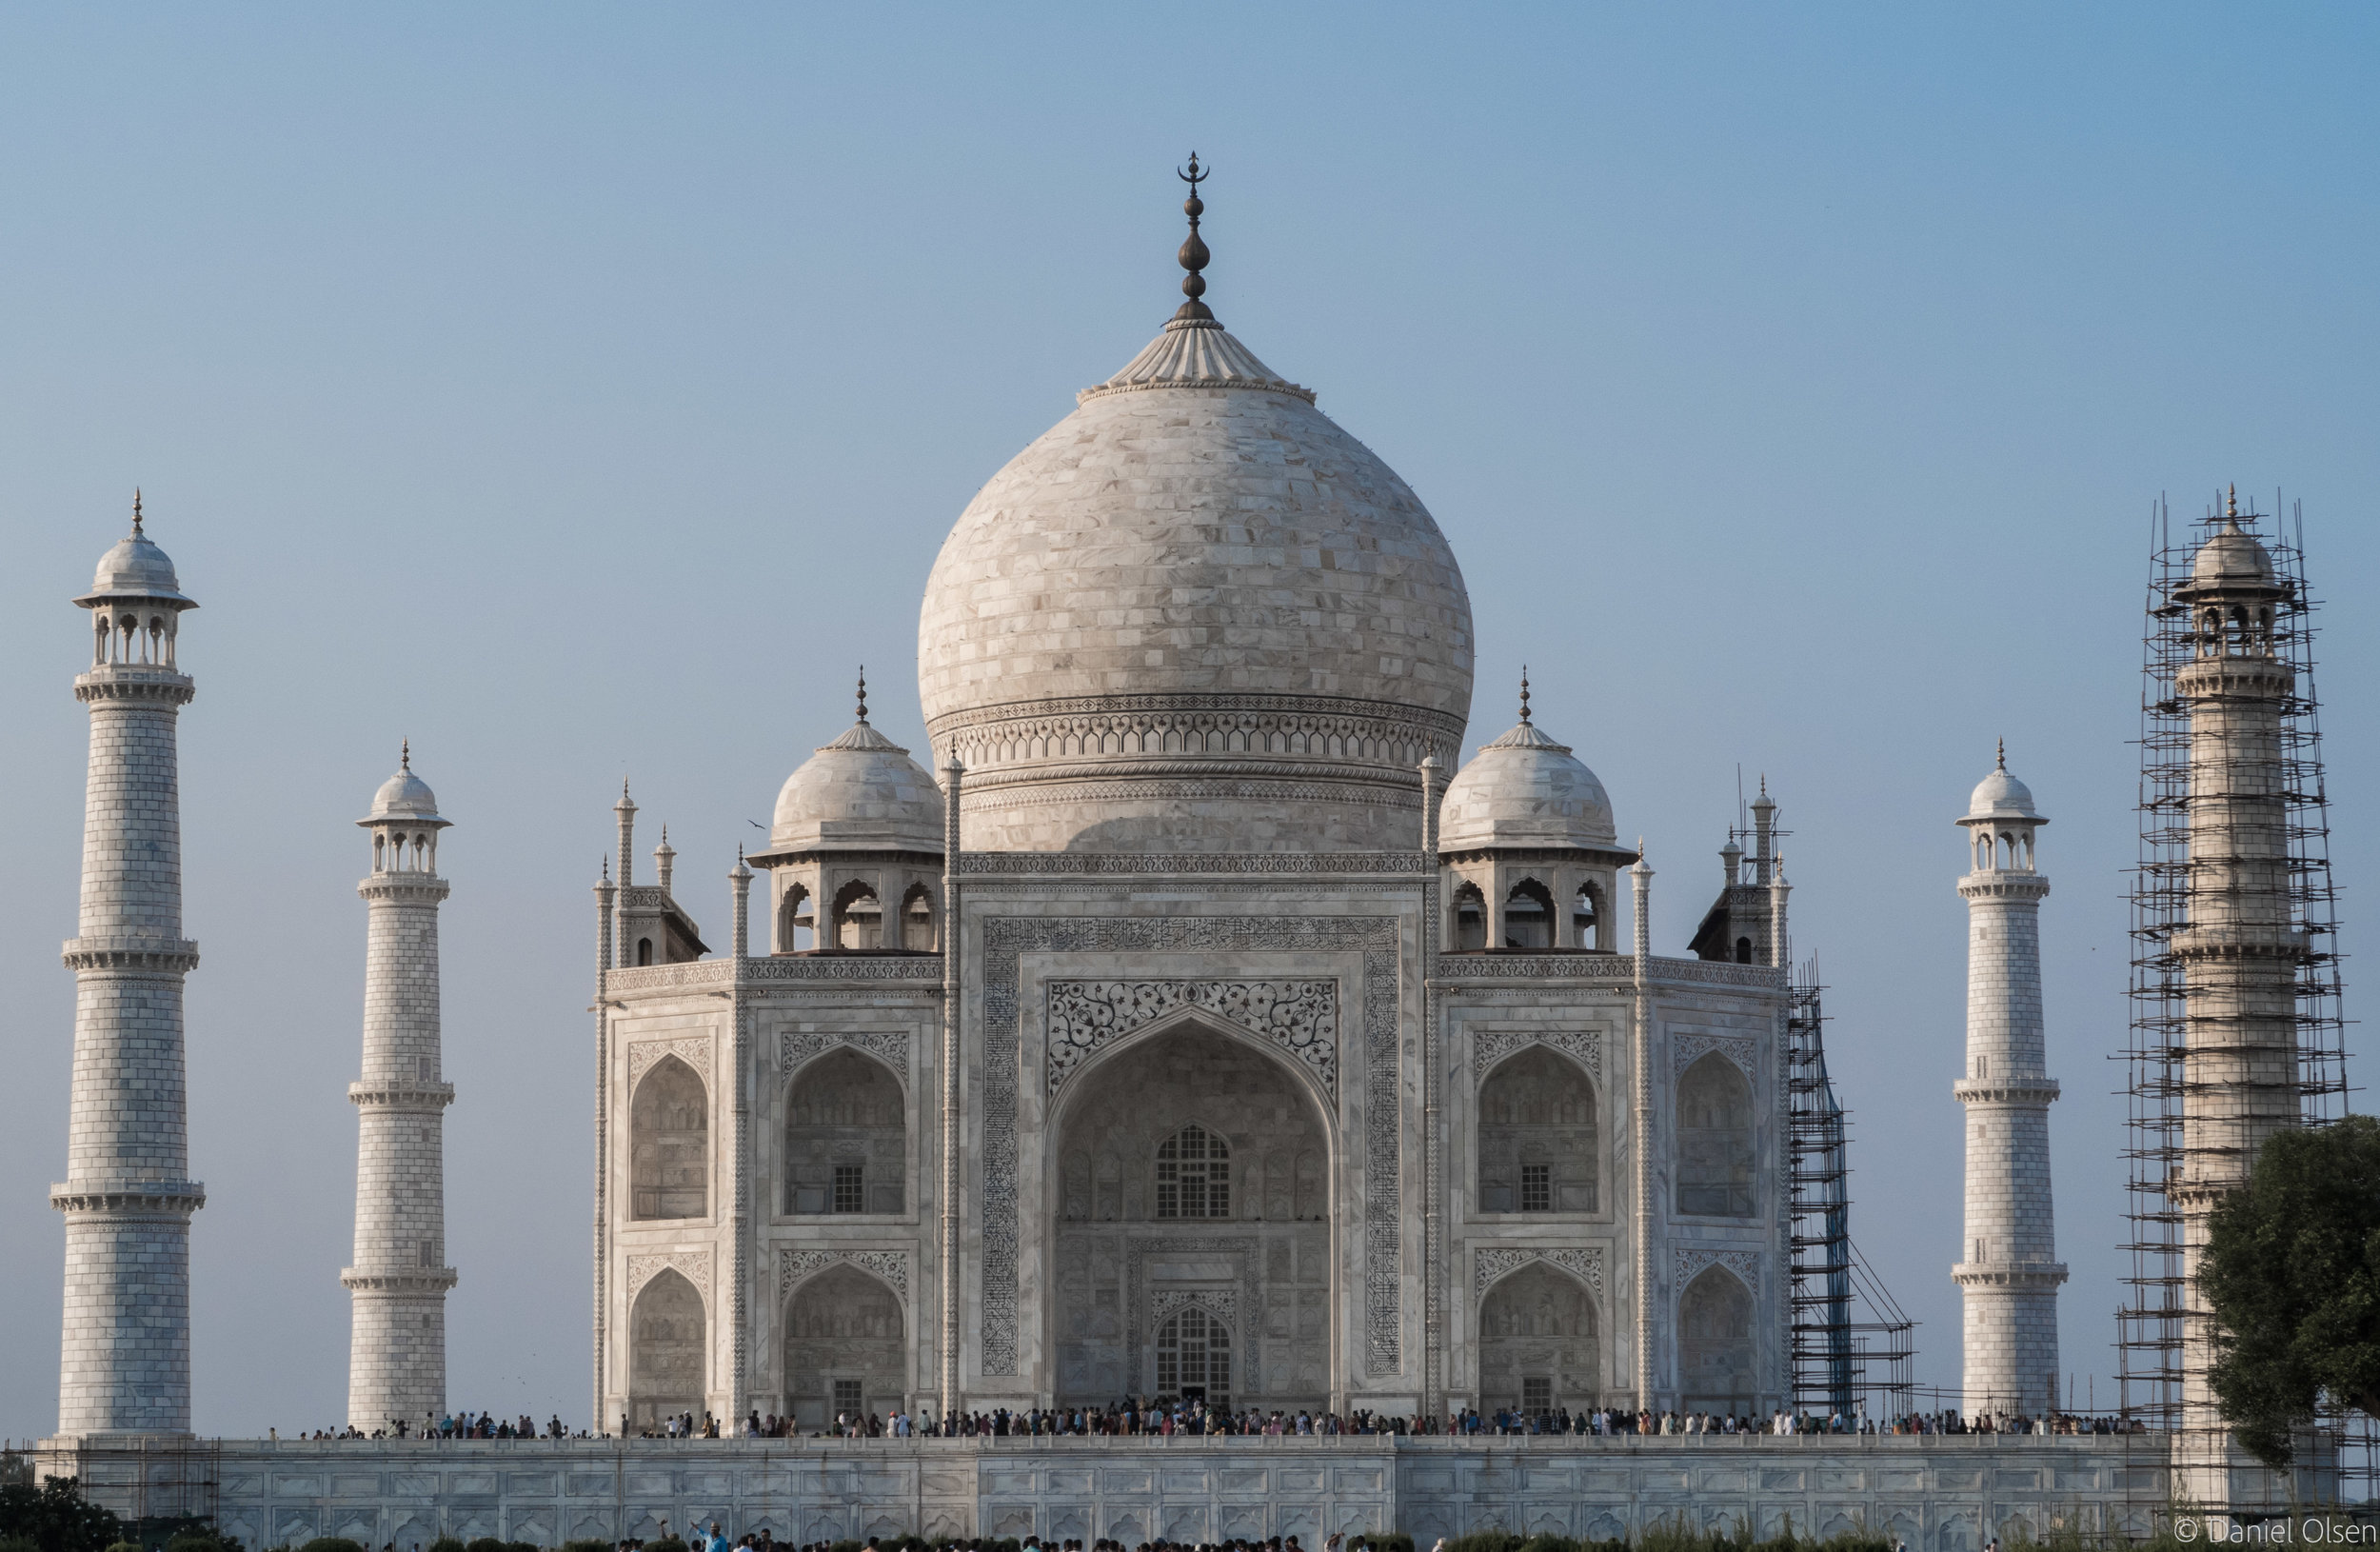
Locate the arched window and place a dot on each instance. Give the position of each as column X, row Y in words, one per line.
column 669, row 1143
column 1715, row 1343
column 1537, row 1146
column 644, row 945
column 1537, row 1344
column 917, row 920
column 1529, row 916
column 859, row 917
column 845, row 1349
column 847, row 1137
column 1193, row 1175
column 666, row 1369
column 1194, row 1359
column 793, row 922
column 1585, row 916
column 1743, row 950
column 1714, row 1173
column 1470, row 918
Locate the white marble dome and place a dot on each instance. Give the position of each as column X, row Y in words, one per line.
column 404, row 796
column 2002, row 796
column 1525, row 790
column 861, row 792
column 1195, row 615
column 2231, row 558
column 134, row 567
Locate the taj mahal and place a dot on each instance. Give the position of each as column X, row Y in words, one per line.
column 1190, row 1021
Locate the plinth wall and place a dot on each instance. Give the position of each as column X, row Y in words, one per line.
column 1939, row 1494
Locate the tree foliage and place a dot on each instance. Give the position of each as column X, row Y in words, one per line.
column 56, row 1516
column 2291, row 1273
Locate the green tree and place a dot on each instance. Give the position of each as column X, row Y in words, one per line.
column 56, row 1516
column 2292, row 1272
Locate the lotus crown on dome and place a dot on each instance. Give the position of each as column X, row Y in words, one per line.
column 1525, row 789
column 862, row 792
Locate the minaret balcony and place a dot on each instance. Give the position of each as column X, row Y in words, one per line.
column 2015, row 1090
column 2240, row 941
column 409, row 1279
column 402, row 1094
column 133, row 681
column 2017, row 1276
column 131, row 951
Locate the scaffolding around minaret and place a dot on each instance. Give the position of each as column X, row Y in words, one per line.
column 2236, row 1025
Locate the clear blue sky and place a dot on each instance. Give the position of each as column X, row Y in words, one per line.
column 582, row 390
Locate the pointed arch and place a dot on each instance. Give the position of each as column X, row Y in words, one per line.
column 1529, row 916
column 1715, row 1140
column 919, row 919
column 1714, row 1343
column 1471, row 917
column 795, row 921
column 859, row 917
column 845, row 1347
column 846, row 1136
column 1538, row 1134
column 1540, row 1341
column 669, row 1143
column 667, row 1332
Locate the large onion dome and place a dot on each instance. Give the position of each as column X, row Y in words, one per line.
column 1195, row 615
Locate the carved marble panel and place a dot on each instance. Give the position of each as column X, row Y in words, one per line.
column 890, row 1047
column 1744, row 1263
column 1300, row 1017
column 1489, row 1046
column 694, row 1051
column 795, row 1267
column 694, row 1265
column 1583, row 1261
column 1685, row 1051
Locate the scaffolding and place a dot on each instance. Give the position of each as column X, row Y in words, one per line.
column 2150, row 1321
column 1840, row 1362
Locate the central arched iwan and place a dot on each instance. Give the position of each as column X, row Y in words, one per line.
column 1204, row 1144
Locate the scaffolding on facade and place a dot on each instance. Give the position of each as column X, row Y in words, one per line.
column 1842, row 1362
column 2150, row 1321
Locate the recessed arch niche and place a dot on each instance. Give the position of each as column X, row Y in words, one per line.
column 669, row 1143
column 665, row 1348
column 1538, row 1144
column 844, row 1348
column 1261, row 1272
column 1715, row 1140
column 847, row 1137
column 1540, row 1344
column 1715, row 1343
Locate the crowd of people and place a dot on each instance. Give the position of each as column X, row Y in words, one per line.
column 1195, row 1418
column 1166, row 1419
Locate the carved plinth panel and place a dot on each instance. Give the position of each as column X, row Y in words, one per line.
column 1300, row 1017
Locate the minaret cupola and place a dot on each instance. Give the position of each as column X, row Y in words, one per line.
column 2000, row 821
column 403, row 821
column 135, row 602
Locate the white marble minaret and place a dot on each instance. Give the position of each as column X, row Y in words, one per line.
column 397, row 1357
column 123, row 1365
column 2009, row 1272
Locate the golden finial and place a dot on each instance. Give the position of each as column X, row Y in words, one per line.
column 2003, row 754
column 136, row 511
column 2230, row 503
column 863, row 693
column 1524, row 693
column 405, row 755
column 1193, row 255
